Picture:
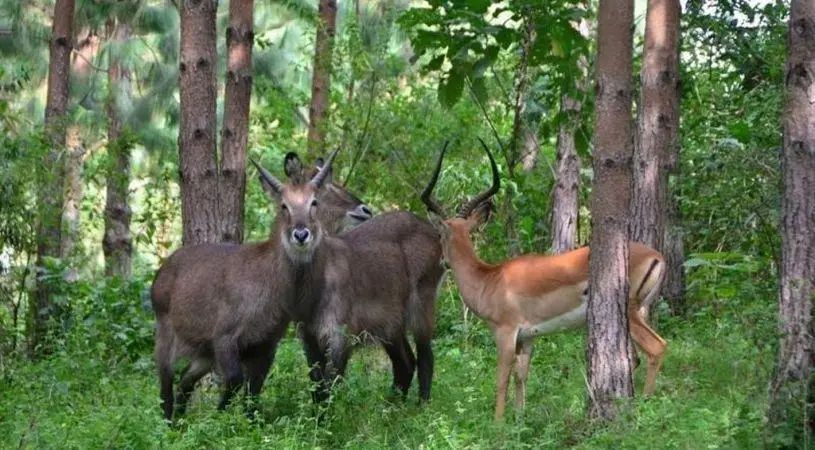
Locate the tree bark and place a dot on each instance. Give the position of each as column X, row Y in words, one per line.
column 566, row 195
column 117, row 243
column 74, row 191
column 520, row 128
column 196, row 139
column 567, row 184
column 50, row 192
column 658, row 122
column 673, row 289
column 607, row 345
column 520, row 131
column 321, row 77
column 235, row 137
column 532, row 148
column 790, row 409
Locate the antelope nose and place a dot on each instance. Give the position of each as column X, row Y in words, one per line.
column 301, row 235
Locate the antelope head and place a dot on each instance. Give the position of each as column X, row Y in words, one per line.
column 471, row 215
column 340, row 209
column 300, row 210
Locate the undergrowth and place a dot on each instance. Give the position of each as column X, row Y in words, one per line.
column 710, row 394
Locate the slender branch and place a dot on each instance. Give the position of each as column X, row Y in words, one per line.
column 487, row 117
column 500, row 83
column 361, row 149
column 156, row 59
column 405, row 169
column 89, row 62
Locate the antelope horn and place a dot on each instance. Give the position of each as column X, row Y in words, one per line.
column 427, row 193
column 266, row 176
column 319, row 178
column 468, row 207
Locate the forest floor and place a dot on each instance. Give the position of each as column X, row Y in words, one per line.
column 711, row 394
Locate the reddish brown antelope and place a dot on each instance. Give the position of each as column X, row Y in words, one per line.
column 227, row 305
column 531, row 295
column 380, row 281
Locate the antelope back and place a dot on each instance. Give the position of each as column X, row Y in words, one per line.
column 381, row 277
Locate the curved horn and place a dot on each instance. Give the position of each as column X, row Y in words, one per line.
column 319, row 178
column 266, row 176
column 468, row 207
column 427, row 198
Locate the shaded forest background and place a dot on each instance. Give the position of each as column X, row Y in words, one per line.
column 403, row 79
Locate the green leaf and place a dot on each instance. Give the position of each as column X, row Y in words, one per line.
column 450, row 89
column 479, row 6
column 479, row 89
column 485, row 62
column 435, row 63
column 740, row 130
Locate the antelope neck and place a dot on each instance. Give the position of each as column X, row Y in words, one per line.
column 470, row 271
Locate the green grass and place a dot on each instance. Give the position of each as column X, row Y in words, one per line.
column 711, row 394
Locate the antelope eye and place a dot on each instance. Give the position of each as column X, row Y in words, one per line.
column 314, row 203
column 284, row 208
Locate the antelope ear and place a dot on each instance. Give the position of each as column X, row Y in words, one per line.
column 293, row 167
column 319, row 165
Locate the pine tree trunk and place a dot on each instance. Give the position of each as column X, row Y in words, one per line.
column 117, row 243
column 50, row 192
column 196, row 139
column 321, row 77
column 532, row 148
column 607, row 345
column 673, row 288
column 565, row 202
column 74, row 191
column 566, row 193
column 237, row 95
column 519, row 131
column 519, row 125
column 790, row 409
column 658, row 122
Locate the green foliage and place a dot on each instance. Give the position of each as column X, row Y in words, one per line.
column 404, row 82
column 102, row 389
column 730, row 134
column 463, row 39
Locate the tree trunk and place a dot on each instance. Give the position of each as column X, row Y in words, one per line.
column 790, row 409
column 658, row 122
column 321, row 78
column 532, row 148
column 520, row 130
column 566, row 195
column 196, row 138
column 607, row 345
column 237, row 95
column 519, row 125
column 74, row 190
column 566, row 199
column 50, row 192
column 673, row 289
column 117, row 243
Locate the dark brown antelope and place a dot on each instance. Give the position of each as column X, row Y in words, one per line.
column 226, row 306
column 532, row 295
column 378, row 281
